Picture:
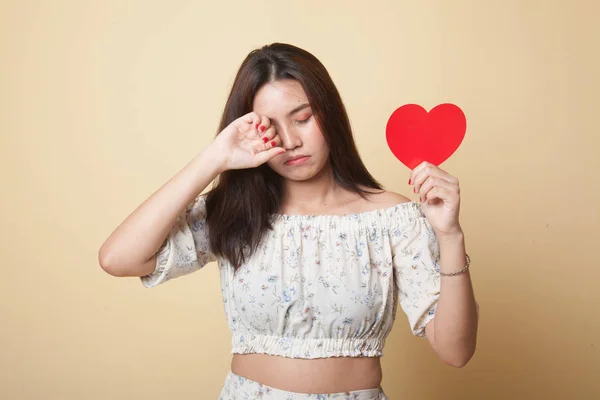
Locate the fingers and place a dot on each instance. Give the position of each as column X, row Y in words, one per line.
column 426, row 170
column 435, row 187
column 423, row 171
column 440, row 193
column 430, row 181
column 257, row 123
column 263, row 125
column 268, row 136
column 252, row 119
column 274, row 142
column 264, row 156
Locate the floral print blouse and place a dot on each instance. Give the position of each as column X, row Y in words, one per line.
column 320, row 285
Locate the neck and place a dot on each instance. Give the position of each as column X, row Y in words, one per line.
column 312, row 194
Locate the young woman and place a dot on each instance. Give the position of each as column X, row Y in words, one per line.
column 314, row 255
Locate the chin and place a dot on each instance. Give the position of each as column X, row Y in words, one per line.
column 302, row 175
column 298, row 176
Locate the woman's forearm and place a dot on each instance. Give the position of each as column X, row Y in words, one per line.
column 456, row 320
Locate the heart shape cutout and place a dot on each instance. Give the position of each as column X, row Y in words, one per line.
column 415, row 135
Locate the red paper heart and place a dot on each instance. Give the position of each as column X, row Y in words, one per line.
column 414, row 135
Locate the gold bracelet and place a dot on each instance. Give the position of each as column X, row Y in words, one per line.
column 462, row 271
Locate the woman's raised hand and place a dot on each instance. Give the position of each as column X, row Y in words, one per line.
column 247, row 142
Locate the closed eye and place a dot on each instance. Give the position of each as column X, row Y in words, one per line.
column 303, row 121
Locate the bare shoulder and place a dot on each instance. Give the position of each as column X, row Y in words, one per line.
column 385, row 199
column 388, row 199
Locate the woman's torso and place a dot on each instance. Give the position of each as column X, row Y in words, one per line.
column 310, row 309
column 324, row 375
column 345, row 272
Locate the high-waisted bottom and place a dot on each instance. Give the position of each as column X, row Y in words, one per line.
column 240, row 388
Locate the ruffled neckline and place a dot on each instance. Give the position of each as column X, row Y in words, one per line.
column 408, row 208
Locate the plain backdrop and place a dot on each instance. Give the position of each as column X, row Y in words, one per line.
column 101, row 102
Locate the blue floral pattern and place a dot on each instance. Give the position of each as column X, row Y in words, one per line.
column 317, row 286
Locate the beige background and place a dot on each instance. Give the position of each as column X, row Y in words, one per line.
column 102, row 102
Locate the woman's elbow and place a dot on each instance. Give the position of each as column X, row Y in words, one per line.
column 121, row 269
column 109, row 266
column 459, row 359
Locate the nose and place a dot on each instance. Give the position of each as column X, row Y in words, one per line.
column 289, row 137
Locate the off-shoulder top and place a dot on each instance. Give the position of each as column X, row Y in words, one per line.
column 319, row 285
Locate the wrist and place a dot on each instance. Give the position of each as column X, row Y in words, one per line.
column 451, row 238
column 217, row 157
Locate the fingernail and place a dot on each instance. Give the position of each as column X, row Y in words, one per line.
column 262, row 128
column 410, row 181
column 273, row 143
column 415, row 190
column 265, row 139
column 257, row 126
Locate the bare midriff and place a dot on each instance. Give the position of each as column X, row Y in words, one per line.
column 321, row 375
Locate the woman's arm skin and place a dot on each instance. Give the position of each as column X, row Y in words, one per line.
column 453, row 331
column 130, row 250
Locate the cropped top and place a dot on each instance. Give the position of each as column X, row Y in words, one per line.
column 318, row 286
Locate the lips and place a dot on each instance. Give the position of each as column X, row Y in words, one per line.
column 296, row 159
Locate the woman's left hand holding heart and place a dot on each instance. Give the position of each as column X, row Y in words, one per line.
column 440, row 194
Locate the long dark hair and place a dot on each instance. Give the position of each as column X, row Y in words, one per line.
column 241, row 204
